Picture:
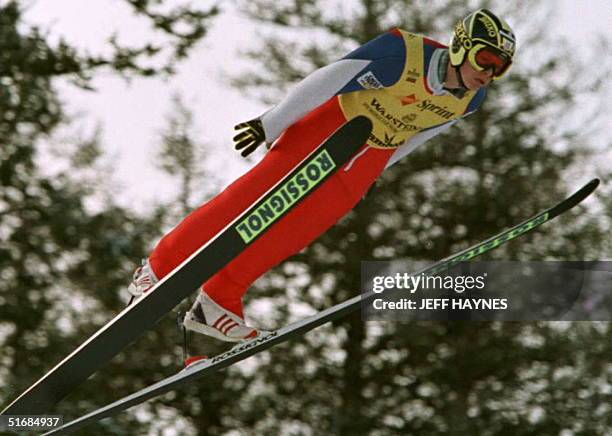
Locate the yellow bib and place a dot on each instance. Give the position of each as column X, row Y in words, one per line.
column 407, row 107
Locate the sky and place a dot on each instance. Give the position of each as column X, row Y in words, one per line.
column 132, row 115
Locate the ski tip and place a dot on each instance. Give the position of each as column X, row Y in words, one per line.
column 593, row 183
column 574, row 199
column 587, row 189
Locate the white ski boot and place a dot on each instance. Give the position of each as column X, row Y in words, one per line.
column 208, row 318
column 143, row 280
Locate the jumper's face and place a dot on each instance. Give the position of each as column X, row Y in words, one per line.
column 473, row 78
column 483, row 64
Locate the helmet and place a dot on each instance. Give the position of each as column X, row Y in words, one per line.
column 478, row 31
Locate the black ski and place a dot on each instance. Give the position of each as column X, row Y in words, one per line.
column 137, row 318
column 297, row 329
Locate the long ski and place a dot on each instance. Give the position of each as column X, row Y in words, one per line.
column 299, row 328
column 137, row 318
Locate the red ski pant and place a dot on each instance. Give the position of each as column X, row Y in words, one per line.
column 306, row 221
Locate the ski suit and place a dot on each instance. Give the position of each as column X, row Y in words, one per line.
column 395, row 81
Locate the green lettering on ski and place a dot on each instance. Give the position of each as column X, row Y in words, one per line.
column 489, row 245
column 285, row 196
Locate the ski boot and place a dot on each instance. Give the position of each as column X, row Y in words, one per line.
column 210, row 319
column 142, row 280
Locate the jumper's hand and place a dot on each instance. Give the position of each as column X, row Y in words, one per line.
column 251, row 135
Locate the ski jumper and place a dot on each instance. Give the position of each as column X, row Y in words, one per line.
column 393, row 80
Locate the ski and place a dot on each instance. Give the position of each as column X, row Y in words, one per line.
column 134, row 320
column 299, row 328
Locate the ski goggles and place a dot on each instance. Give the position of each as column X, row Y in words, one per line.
column 483, row 58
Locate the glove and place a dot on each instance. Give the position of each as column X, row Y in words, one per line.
column 251, row 135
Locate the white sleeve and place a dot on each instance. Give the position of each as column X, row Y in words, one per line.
column 313, row 91
column 411, row 144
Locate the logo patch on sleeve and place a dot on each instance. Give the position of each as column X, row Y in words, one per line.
column 369, row 81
